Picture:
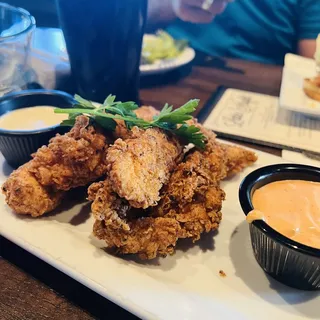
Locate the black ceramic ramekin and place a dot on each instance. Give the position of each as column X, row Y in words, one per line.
column 288, row 261
column 17, row 146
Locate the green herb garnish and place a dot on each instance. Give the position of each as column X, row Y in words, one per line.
column 111, row 110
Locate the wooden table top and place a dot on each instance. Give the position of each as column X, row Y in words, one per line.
column 30, row 288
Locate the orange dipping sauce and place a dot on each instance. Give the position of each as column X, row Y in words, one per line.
column 291, row 207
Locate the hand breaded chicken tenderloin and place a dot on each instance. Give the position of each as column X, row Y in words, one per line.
column 138, row 167
column 71, row 160
column 124, row 229
column 193, row 196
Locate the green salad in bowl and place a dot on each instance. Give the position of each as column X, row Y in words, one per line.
column 161, row 46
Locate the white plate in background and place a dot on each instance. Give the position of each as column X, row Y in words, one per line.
column 162, row 66
column 292, row 96
column 186, row 285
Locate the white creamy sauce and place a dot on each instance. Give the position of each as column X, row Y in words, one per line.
column 32, row 118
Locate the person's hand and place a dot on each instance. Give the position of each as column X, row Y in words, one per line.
column 198, row 11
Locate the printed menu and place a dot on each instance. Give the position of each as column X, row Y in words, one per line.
column 258, row 118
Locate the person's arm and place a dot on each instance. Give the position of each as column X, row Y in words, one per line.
column 307, row 47
column 162, row 12
column 309, row 27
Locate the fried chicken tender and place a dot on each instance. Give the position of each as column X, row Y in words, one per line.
column 71, row 160
column 148, row 237
column 237, row 158
column 190, row 205
column 123, row 227
column 138, row 167
column 25, row 195
column 144, row 112
column 193, row 195
column 107, row 205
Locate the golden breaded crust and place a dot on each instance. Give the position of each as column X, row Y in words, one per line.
column 139, row 166
column 25, row 195
column 147, row 237
column 71, row 160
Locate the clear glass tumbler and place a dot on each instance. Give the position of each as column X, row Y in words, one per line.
column 16, row 28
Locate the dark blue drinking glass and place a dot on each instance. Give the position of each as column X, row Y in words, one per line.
column 104, row 39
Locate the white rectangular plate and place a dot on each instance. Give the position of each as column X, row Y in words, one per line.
column 292, row 96
column 186, row 285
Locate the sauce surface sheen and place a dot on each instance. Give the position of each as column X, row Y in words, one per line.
column 32, row 118
column 291, row 207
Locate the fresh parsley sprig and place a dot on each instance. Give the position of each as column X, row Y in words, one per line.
column 111, row 110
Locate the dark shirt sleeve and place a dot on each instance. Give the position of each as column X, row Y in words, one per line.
column 309, row 19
